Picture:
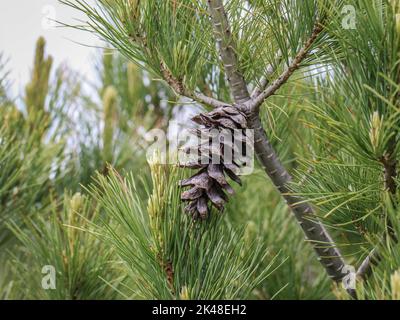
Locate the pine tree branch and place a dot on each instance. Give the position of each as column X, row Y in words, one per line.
column 325, row 248
column 370, row 260
column 227, row 51
column 315, row 232
column 284, row 77
column 265, row 81
column 204, row 99
column 180, row 89
column 390, row 165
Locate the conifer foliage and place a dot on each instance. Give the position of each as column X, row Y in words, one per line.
column 317, row 84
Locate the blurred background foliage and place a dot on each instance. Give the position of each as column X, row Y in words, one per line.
column 53, row 139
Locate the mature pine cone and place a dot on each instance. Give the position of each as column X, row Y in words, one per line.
column 209, row 184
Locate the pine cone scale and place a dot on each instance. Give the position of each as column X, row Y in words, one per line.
column 208, row 186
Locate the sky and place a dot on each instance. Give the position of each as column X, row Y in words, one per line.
column 23, row 21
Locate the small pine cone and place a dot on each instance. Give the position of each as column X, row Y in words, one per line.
column 209, row 185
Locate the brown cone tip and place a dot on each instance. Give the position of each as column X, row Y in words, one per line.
column 209, row 187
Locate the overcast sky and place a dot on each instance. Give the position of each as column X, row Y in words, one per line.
column 23, row 21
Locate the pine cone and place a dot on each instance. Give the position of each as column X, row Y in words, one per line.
column 209, row 185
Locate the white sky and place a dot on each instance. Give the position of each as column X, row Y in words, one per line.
column 23, row 21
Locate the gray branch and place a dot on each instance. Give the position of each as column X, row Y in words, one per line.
column 203, row 99
column 227, row 47
column 264, row 82
column 316, row 234
column 180, row 89
column 389, row 163
column 295, row 64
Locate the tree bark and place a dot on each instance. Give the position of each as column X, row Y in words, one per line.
column 227, row 51
column 315, row 232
